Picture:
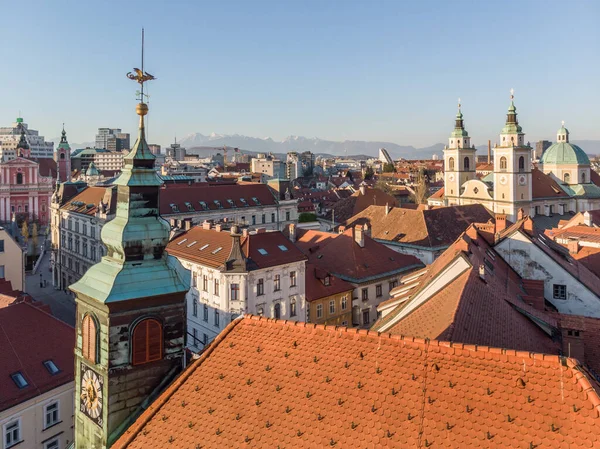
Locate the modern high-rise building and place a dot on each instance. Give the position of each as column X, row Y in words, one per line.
column 112, row 139
column 385, row 157
column 176, row 152
column 154, row 148
column 10, row 136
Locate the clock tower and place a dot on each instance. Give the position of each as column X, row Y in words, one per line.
column 62, row 156
column 130, row 316
column 459, row 160
column 512, row 168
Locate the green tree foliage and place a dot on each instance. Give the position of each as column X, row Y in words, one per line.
column 389, row 168
column 306, row 217
column 25, row 231
column 369, row 173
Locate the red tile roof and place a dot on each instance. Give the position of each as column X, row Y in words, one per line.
column 429, row 228
column 543, row 186
column 180, row 194
column 86, row 202
column 202, row 246
column 439, row 194
column 315, row 287
column 357, row 202
column 342, row 256
column 28, row 337
column 263, row 383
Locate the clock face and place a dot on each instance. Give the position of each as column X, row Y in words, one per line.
column 503, row 179
column 451, row 177
column 91, row 394
column 522, row 180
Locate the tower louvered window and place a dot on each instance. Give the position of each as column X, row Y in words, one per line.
column 89, row 338
column 147, row 341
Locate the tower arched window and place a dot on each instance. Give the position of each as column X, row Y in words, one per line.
column 89, row 338
column 583, row 177
column 522, row 163
column 62, row 155
column 503, row 163
column 147, row 341
column 19, row 178
column 567, row 178
column 451, row 163
column 466, row 163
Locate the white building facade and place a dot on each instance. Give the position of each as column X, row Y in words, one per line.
column 9, row 139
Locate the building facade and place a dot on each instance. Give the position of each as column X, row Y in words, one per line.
column 112, row 139
column 10, row 137
column 234, row 273
column 12, row 261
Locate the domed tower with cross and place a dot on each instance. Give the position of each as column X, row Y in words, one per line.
column 512, row 167
column 459, row 160
column 62, row 156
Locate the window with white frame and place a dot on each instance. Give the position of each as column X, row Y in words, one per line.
column 194, row 307
column 319, row 310
column 332, row 306
column 293, row 307
column 12, row 433
column 51, row 414
column 292, row 278
column 52, row 444
column 344, row 302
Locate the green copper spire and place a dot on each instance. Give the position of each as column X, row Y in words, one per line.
column 136, row 264
column 459, row 125
column 512, row 123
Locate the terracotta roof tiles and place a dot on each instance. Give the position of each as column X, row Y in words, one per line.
column 265, row 383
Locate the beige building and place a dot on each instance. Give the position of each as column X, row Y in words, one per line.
column 12, row 261
column 37, row 387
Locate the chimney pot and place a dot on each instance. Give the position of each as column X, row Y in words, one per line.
column 500, row 222
column 587, row 219
column 218, row 227
column 359, row 236
column 206, row 224
column 573, row 246
column 341, row 229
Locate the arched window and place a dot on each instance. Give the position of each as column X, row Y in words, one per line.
column 466, row 163
column 62, row 155
column 583, row 177
column 277, row 311
column 567, row 178
column 19, row 178
column 89, row 338
column 147, row 341
column 451, row 163
column 521, row 163
column 503, row 164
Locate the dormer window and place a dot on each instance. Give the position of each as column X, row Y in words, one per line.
column 243, row 201
column 218, row 204
column 256, row 201
column 326, row 280
column 203, row 205
column 231, row 203
column 174, row 207
column 189, row 206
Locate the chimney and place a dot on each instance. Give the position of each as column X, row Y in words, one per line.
column 528, row 225
column 587, row 219
column 573, row 246
column 187, row 225
column 572, row 344
column 173, row 222
column 218, row 227
column 341, row 229
column 489, row 151
column 482, row 271
column 234, row 230
column 367, row 229
column 206, row 224
column 359, row 236
column 245, row 232
column 387, row 208
column 362, row 189
column 520, row 214
column 500, row 222
column 292, row 232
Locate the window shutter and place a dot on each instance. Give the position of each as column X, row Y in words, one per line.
column 88, row 343
column 147, row 342
column 154, row 340
column 139, row 343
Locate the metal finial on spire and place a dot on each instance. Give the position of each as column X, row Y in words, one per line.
column 512, row 93
column 140, row 76
column 459, row 103
column 563, row 123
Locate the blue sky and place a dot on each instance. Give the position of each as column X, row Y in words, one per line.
column 372, row 70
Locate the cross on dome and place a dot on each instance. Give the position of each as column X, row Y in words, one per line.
column 512, row 93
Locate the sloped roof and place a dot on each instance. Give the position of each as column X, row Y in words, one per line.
column 212, row 248
column 180, row 194
column 28, row 337
column 429, row 228
column 341, row 255
column 87, row 201
column 264, row 383
column 357, row 202
column 544, row 186
column 316, row 289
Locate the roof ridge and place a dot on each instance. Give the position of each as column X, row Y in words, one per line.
column 162, row 399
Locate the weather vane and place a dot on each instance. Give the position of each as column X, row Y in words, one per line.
column 140, row 76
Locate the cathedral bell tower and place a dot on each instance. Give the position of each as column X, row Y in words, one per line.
column 23, row 149
column 459, row 160
column 62, row 156
column 130, row 316
column 512, row 168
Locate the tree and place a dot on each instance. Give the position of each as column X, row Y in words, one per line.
column 389, row 168
column 421, row 189
column 34, row 237
column 369, row 173
column 25, row 231
column 306, row 217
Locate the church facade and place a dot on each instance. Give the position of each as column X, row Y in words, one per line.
column 562, row 182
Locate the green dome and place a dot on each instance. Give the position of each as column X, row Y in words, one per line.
column 92, row 170
column 565, row 153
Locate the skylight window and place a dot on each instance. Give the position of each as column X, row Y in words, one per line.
column 243, row 201
column 282, row 248
column 182, row 242
column 218, row 203
column 192, row 244
column 231, row 203
column 189, row 206
column 19, row 380
column 262, row 251
column 217, row 250
column 51, row 367
column 203, row 205
column 256, row 200
column 203, row 247
column 174, row 207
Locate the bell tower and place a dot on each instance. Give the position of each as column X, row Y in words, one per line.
column 459, row 160
column 62, row 156
column 130, row 316
column 512, row 168
column 23, row 149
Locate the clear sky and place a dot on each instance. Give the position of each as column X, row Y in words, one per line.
column 338, row 69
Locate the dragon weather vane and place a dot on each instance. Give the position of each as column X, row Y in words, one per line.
column 140, row 76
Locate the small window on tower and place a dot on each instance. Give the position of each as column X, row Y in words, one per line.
column 62, row 155
column 451, row 163
column 89, row 338
column 147, row 342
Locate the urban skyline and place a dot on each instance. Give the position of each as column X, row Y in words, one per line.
column 295, row 75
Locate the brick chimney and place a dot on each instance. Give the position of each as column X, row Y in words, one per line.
column 218, row 227
column 359, row 236
column 292, row 232
column 520, row 214
column 500, row 222
column 206, row 224
column 528, row 226
column 573, row 246
column 341, row 229
column 367, row 229
column 187, row 225
column 572, row 343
